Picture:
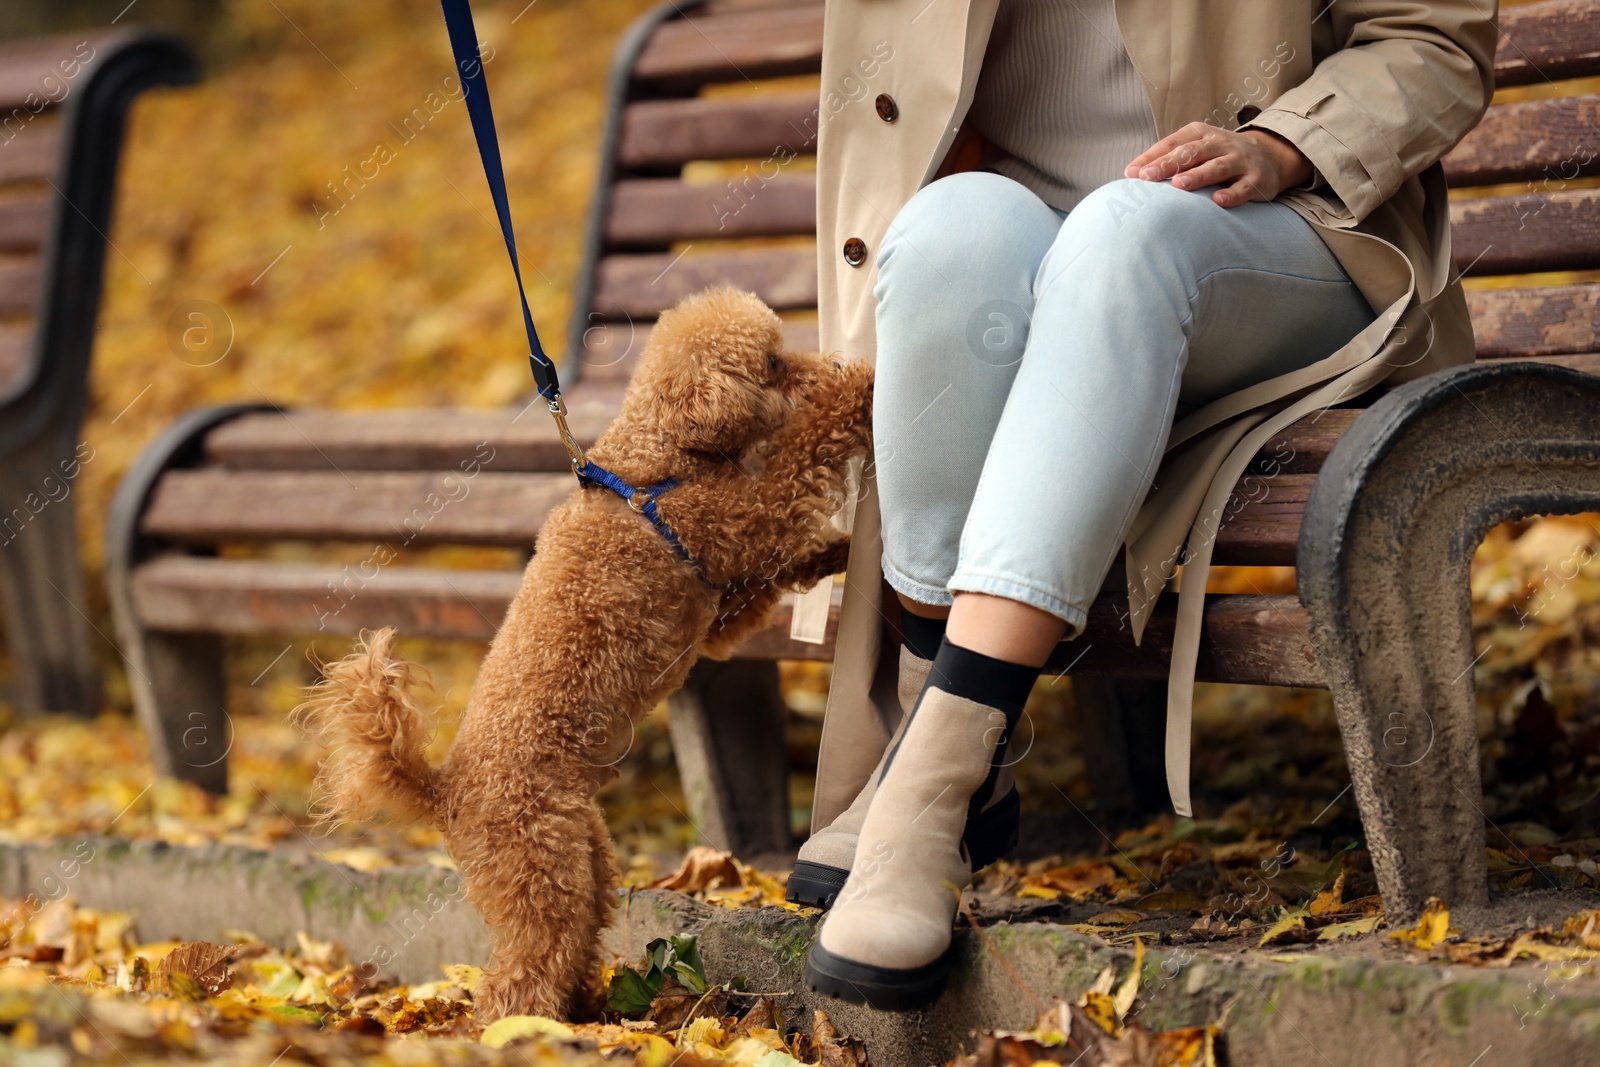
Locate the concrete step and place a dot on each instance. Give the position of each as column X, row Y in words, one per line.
column 1306, row 1006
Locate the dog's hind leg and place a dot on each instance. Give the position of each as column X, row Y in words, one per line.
column 590, row 998
column 532, row 880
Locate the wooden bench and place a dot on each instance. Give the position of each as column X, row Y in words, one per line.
column 62, row 105
column 1338, row 507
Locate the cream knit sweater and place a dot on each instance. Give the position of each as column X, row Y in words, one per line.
column 1058, row 94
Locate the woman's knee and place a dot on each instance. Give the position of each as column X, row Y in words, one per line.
column 1144, row 210
column 1131, row 227
column 964, row 223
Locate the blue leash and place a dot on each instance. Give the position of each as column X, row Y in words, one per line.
column 464, row 46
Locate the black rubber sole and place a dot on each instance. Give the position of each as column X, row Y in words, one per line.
column 816, row 885
column 988, row 837
column 882, row 988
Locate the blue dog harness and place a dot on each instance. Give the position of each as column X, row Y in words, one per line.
column 464, row 45
column 591, row 474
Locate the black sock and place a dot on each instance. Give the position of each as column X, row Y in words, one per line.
column 921, row 636
column 984, row 679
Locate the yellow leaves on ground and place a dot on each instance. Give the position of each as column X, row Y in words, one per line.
column 513, row 1027
column 1432, row 927
column 77, row 979
column 1077, row 881
column 718, row 878
column 1097, row 1029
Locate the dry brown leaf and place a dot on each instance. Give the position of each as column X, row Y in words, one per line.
column 763, row 1015
column 1116, row 917
column 702, row 868
column 1077, row 881
column 195, row 970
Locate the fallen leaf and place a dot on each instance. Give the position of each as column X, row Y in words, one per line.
column 1077, row 881
column 1116, row 917
column 1287, row 931
column 1330, row 899
column 514, row 1027
column 703, row 868
column 1352, row 928
column 1430, row 929
column 194, row 971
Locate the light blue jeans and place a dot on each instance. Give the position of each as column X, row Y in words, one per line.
column 1031, row 364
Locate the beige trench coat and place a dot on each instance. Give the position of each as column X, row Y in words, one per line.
column 1373, row 92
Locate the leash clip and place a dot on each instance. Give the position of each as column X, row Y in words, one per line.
column 558, row 411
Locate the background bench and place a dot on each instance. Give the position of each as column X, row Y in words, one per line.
column 62, row 104
column 1338, row 508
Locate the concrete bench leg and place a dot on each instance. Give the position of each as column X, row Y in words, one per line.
column 1389, row 533
column 41, row 579
column 728, row 738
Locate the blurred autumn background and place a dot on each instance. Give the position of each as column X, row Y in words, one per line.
column 398, row 296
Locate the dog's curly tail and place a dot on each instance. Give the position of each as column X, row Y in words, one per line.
column 365, row 712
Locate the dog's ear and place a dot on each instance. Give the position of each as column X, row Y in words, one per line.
column 709, row 377
column 705, row 408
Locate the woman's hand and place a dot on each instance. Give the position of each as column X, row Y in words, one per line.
column 1250, row 164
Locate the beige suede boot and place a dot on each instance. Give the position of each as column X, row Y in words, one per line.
column 886, row 943
column 825, row 859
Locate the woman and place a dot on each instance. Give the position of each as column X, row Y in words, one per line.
column 1102, row 250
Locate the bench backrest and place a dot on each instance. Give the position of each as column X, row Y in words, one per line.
column 62, row 104
column 1526, row 200
column 706, row 175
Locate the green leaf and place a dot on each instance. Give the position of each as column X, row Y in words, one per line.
column 687, row 966
column 631, row 992
column 656, row 951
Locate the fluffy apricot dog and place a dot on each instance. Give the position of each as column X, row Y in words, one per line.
column 607, row 622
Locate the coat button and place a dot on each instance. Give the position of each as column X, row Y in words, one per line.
column 1248, row 113
column 855, row 251
column 888, row 110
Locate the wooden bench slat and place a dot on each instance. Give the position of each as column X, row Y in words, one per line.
column 46, row 70
column 1536, row 140
column 1261, row 521
column 397, row 509
column 19, row 283
column 1304, row 447
column 1245, row 639
column 1542, row 321
column 212, row 505
column 660, row 211
column 765, row 43
column 16, row 339
column 646, row 285
column 1547, row 42
column 191, row 594
column 1587, row 362
column 24, row 221
column 1520, row 234
column 422, row 439
column 668, row 133
column 33, row 152
column 611, row 348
